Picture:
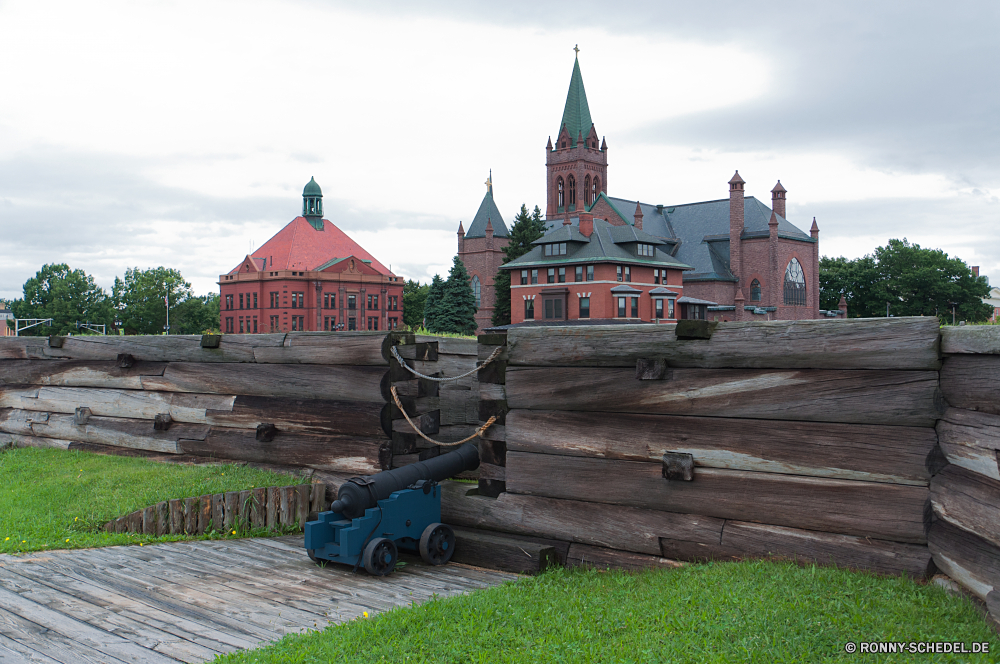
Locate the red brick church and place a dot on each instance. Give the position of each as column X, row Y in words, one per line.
column 310, row 276
column 481, row 250
column 605, row 257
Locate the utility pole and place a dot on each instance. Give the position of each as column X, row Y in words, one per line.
column 166, row 299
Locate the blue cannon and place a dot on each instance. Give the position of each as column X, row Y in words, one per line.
column 377, row 515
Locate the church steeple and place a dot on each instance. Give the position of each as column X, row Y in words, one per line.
column 312, row 204
column 576, row 114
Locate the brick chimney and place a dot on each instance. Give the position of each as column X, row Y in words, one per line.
column 975, row 270
column 736, row 226
column 461, row 238
column 842, row 306
column 586, row 224
column 637, row 216
column 778, row 200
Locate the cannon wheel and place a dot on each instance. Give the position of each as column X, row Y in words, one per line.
column 312, row 555
column 437, row 544
column 380, row 556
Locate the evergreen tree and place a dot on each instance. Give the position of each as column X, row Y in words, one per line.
column 526, row 229
column 432, row 304
column 457, row 308
column 414, row 298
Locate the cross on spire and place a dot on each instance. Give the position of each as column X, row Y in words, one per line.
column 576, row 47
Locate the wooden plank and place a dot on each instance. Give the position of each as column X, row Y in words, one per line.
column 877, row 343
column 971, row 439
column 218, row 512
column 970, row 560
column 273, row 507
column 10, row 397
column 903, row 398
column 345, row 454
column 286, row 506
column 258, row 507
column 17, row 440
column 176, row 508
column 133, row 404
column 969, row 500
column 231, row 509
column 77, row 373
column 22, row 348
column 120, row 432
column 502, row 552
column 610, row 526
column 48, row 642
column 329, row 348
column 162, row 518
column 844, row 451
column 450, row 345
column 243, row 509
column 338, row 383
column 319, row 416
column 862, row 553
column 159, row 348
column 869, row 509
column 971, row 382
column 302, row 496
column 583, row 555
column 191, row 509
column 976, row 339
column 205, row 514
column 318, row 497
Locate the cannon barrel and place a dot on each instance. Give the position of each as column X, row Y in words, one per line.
column 359, row 493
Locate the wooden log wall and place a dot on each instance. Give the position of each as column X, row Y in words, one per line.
column 965, row 496
column 275, row 508
column 297, row 400
column 810, row 440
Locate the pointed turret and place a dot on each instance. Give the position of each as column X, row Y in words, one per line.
column 637, row 216
column 549, row 146
column 312, row 204
column 778, row 199
column 576, row 114
column 814, row 231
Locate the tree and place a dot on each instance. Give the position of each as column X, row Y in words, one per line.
column 414, row 297
column 66, row 296
column 456, row 311
column 139, row 299
column 198, row 314
column 525, row 230
column 911, row 280
column 432, row 303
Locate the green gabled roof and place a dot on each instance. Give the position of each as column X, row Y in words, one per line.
column 611, row 204
column 576, row 114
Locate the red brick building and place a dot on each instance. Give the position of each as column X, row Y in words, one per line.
column 740, row 259
column 481, row 250
column 310, row 276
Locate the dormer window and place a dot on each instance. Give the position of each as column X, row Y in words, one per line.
column 555, row 249
column 645, row 250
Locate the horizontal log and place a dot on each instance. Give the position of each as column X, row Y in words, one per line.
column 503, row 552
column 971, row 440
column 975, row 339
column 159, row 348
column 448, row 366
column 902, row 398
column 845, row 451
column 884, row 511
column 456, row 406
column 329, row 348
column 77, row 373
column 966, row 558
column 968, row 500
column 972, row 382
column 489, row 471
column 15, row 420
column 131, row 433
column 445, row 434
column 340, row 454
column 319, row 416
column 342, row 383
column 860, row 553
column 22, row 348
column 877, row 343
column 583, row 555
column 19, row 440
column 609, row 526
column 133, row 404
column 450, row 345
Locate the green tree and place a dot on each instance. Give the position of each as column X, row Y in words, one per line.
column 525, row 230
column 66, row 296
column 414, row 297
column 432, row 304
column 198, row 314
column 456, row 311
column 139, row 299
column 911, row 280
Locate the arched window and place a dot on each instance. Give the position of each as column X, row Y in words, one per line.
column 595, row 188
column 795, row 284
column 476, row 290
column 755, row 291
column 586, row 191
column 572, row 190
column 560, row 194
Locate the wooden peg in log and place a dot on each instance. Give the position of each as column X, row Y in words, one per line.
column 81, row 416
column 695, row 329
column 125, row 360
column 266, row 432
column 56, row 342
column 385, row 456
column 162, row 421
column 651, row 368
column 211, row 340
column 678, row 466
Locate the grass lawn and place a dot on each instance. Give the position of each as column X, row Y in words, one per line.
column 59, row 499
column 725, row 612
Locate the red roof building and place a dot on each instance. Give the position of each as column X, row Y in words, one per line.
column 310, row 276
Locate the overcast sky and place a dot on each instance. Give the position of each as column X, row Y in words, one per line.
column 138, row 134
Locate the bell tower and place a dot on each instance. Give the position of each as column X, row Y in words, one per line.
column 577, row 164
column 312, row 204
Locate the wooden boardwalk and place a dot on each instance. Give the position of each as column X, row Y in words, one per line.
column 188, row 601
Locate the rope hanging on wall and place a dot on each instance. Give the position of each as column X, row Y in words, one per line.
column 413, row 371
column 479, row 432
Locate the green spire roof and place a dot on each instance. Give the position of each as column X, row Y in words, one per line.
column 576, row 115
column 312, row 188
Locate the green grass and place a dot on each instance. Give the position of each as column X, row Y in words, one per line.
column 423, row 331
column 58, row 499
column 730, row 612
